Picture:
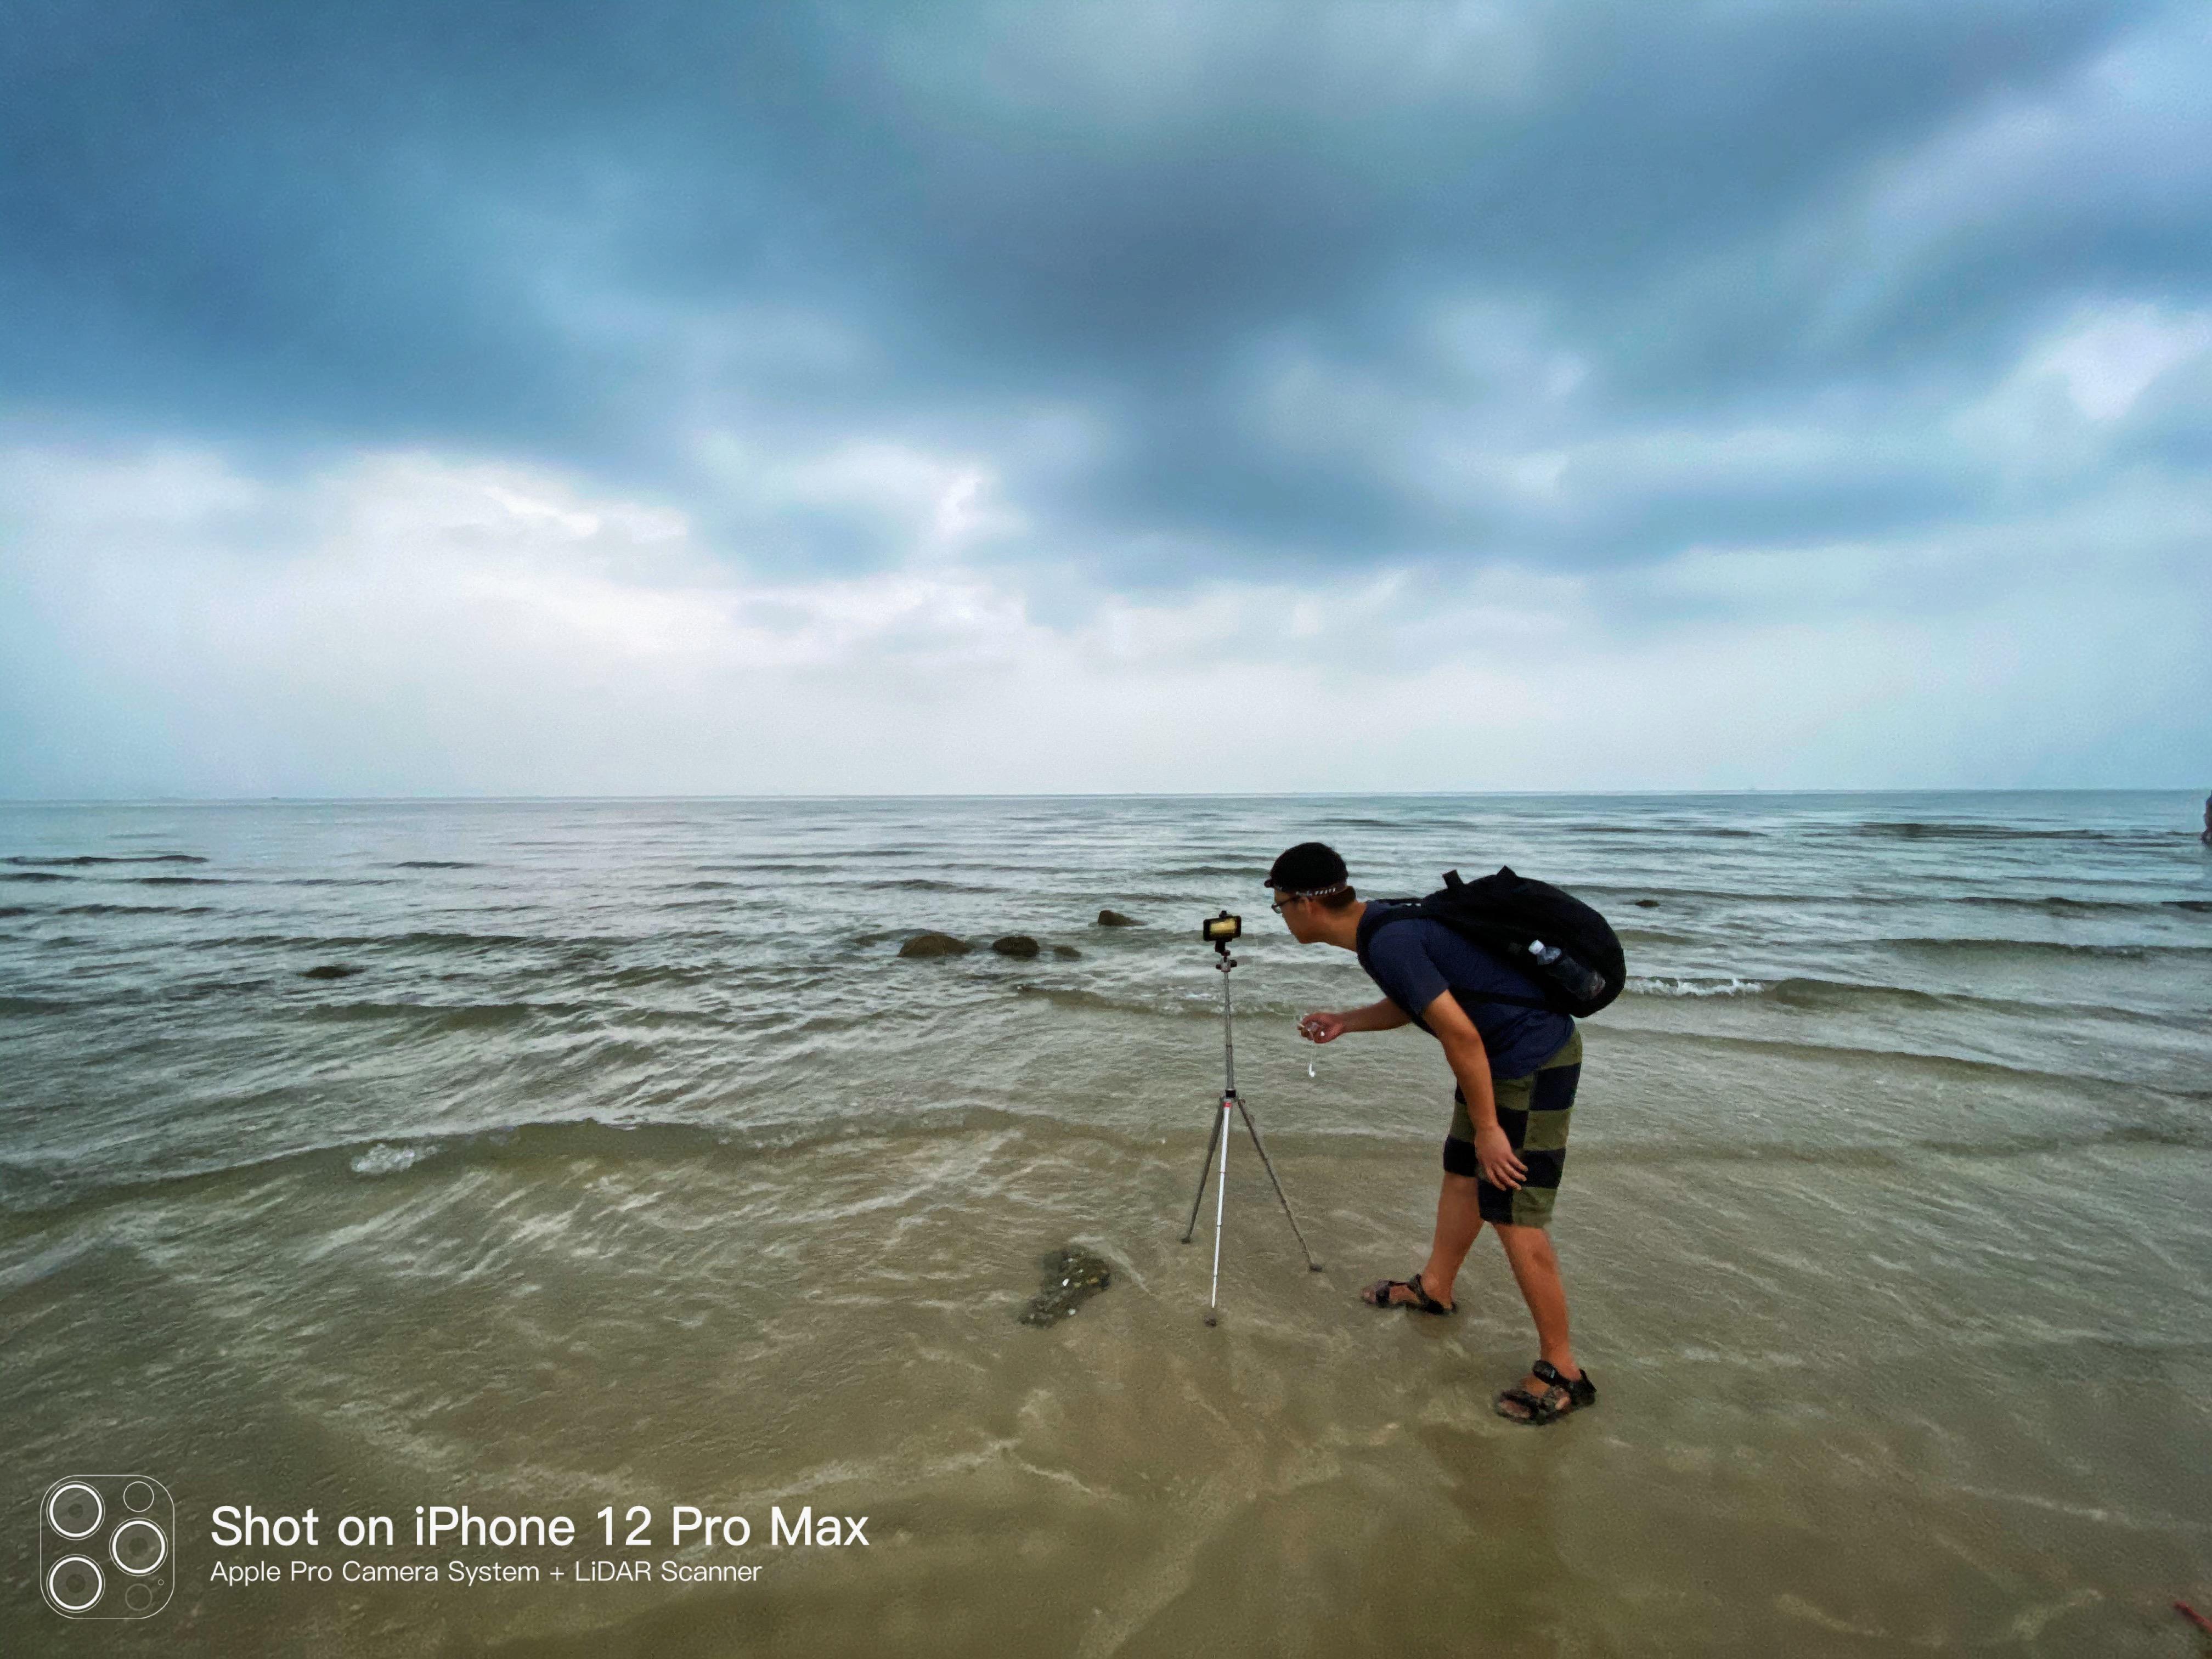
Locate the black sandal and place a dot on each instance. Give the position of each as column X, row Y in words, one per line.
column 1377, row 1295
column 1560, row 1398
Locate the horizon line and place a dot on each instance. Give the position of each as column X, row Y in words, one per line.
column 1133, row 794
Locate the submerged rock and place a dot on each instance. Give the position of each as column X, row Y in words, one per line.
column 1116, row 919
column 1071, row 1277
column 1015, row 945
column 935, row 945
column 330, row 970
column 1066, row 952
column 1647, row 904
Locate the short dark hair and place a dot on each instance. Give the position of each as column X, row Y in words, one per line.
column 1312, row 869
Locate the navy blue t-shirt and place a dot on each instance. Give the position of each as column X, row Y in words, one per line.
column 1417, row 960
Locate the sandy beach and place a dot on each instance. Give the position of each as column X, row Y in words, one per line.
column 592, row 1187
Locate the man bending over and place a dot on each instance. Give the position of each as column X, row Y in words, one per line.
column 1516, row 1066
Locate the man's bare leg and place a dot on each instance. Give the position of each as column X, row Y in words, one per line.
column 1459, row 1218
column 1536, row 1269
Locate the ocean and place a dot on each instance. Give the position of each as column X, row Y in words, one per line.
column 550, row 1157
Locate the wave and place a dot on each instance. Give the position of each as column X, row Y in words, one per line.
column 447, row 1016
column 35, row 875
column 1905, row 1153
column 1950, row 1066
column 558, row 1147
column 134, row 910
column 1803, row 993
column 2058, row 905
column 7, row 911
column 545, row 1143
column 29, row 1005
column 904, row 884
column 182, row 881
column 1834, row 995
column 777, row 866
column 918, row 885
column 1094, row 1001
column 2046, row 947
column 1916, row 829
column 670, row 974
column 384, row 1159
column 428, row 940
column 113, row 858
column 1642, row 986
column 433, row 864
column 1611, row 891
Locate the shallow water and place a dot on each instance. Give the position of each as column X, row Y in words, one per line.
column 630, row 1164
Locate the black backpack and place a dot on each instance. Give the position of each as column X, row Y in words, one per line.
column 1506, row 913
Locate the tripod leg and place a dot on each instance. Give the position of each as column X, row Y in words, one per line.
column 1211, row 1141
column 1312, row 1266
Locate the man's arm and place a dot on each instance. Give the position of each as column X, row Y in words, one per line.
column 1470, row 1062
column 1383, row 1016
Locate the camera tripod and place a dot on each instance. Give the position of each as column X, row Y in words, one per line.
column 1219, row 1139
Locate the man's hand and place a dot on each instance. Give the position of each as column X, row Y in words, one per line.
column 1494, row 1156
column 1383, row 1016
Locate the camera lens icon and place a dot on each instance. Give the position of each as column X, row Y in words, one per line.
column 138, row 1547
column 74, row 1583
column 107, row 1547
column 75, row 1510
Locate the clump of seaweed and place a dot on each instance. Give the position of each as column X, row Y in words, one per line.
column 1072, row 1276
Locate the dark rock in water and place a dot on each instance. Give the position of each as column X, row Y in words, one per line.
column 1647, row 904
column 330, row 970
column 1015, row 945
column 935, row 945
column 1116, row 919
column 1067, row 952
column 1071, row 1277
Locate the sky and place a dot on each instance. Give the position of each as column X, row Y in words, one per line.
column 557, row 399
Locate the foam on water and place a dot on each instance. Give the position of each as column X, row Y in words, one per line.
column 381, row 1160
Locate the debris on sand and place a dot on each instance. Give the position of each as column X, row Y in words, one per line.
column 1072, row 1276
column 935, row 945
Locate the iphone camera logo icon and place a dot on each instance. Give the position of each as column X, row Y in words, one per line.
column 107, row 1547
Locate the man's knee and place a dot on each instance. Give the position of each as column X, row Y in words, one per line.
column 1532, row 1242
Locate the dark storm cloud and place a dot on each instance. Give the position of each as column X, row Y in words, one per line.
column 1224, row 245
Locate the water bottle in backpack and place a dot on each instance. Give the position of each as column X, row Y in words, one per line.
column 1584, row 984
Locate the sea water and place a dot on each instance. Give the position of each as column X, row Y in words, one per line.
column 549, row 1156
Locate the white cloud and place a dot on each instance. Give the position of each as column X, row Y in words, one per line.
column 402, row 624
column 894, row 493
column 2112, row 357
